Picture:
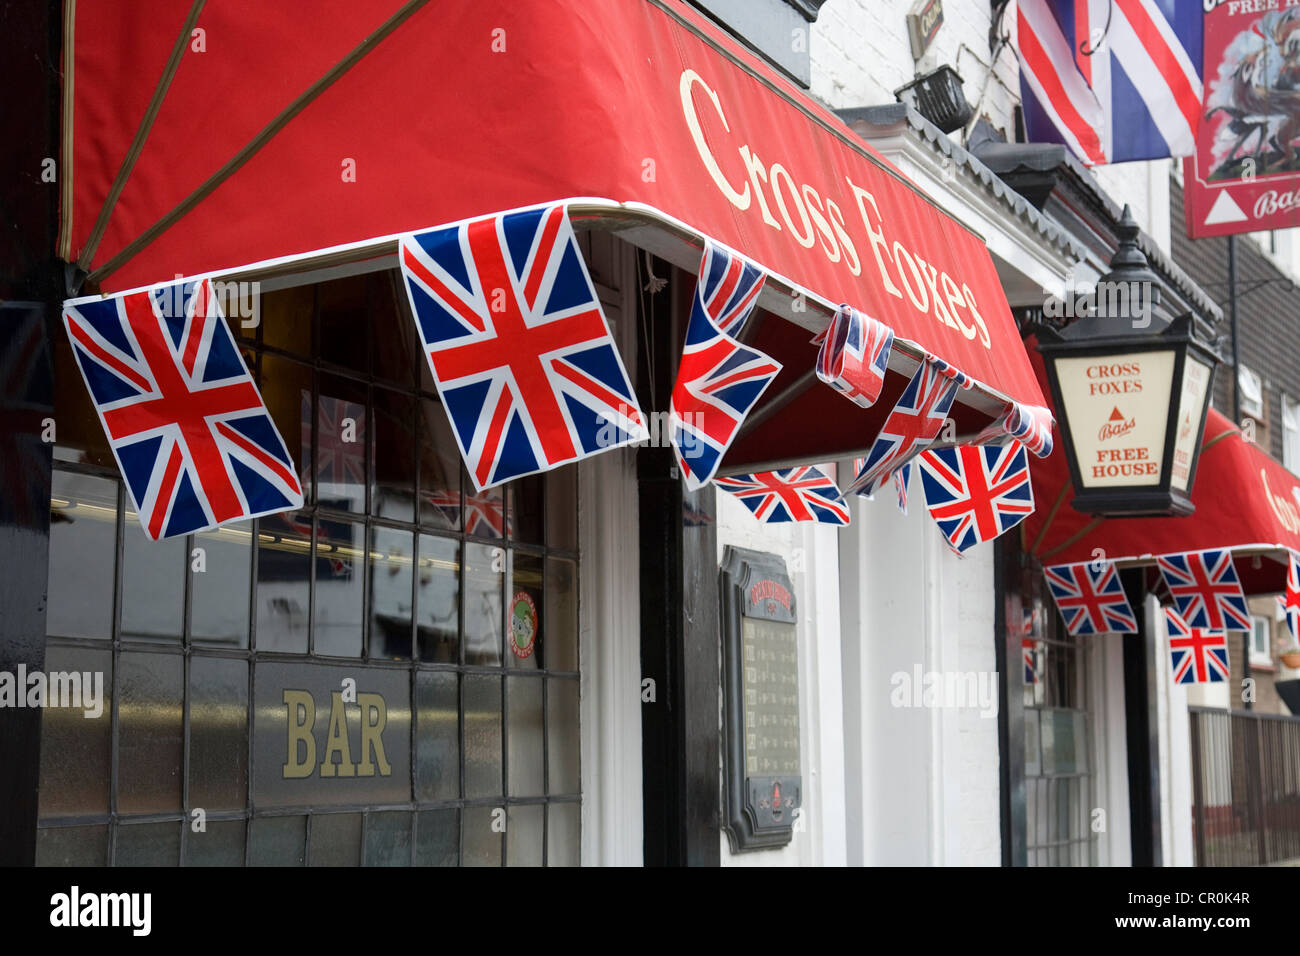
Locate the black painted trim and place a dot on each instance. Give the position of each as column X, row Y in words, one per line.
column 30, row 46
column 1141, row 722
column 680, row 649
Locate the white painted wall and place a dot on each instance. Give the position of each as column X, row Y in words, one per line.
column 923, row 783
column 811, row 556
column 609, row 630
column 1105, row 662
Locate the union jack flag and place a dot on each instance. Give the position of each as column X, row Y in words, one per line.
column 913, row 424
column 1199, row 655
column 1114, row 80
column 518, row 345
column 854, row 355
column 1031, row 425
column 1205, row 587
column 976, row 492
column 1090, row 598
column 340, row 449
column 795, row 494
column 1291, row 602
column 484, row 514
column 719, row 380
column 191, row 435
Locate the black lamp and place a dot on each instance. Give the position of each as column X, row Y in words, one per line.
column 1131, row 385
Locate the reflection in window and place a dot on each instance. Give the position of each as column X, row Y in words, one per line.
column 283, row 581
column 465, row 600
column 83, row 553
column 484, row 620
column 393, row 456
column 392, row 556
column 219, row 591
column 339, row 448
column 153, row 584
column 340, row 588
column 437, row 586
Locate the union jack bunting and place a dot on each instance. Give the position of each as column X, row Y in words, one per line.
column 340, row 448
column 1029, row 648
column 1198, row 655
column 952, row 372
column 1090, row 598
column 795, row 494
column 1205, row 587
column 976, row 492
column 484, row 514
column 719, row 380
column 517, row 343
column 1114, row 80
column 854, row 356
column 727, row 289
column 901, row 478
column 1291, row 601
column 914, row 422
column 1031, row 425
column 187, row 426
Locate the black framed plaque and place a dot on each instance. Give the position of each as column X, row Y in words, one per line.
column 760, row 673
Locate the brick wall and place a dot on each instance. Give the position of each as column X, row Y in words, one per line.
column 860, row 55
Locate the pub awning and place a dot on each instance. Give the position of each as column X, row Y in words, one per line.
column 250, row 141
column 1245, row 501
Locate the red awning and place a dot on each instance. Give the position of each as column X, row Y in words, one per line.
column 1245, row 501
column 253, row 133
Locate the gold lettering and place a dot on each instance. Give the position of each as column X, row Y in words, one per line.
column 299, row 703
column 337, row 741
column 372, row 735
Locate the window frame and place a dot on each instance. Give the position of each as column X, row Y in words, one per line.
column 184, row 646
column 1261, row 626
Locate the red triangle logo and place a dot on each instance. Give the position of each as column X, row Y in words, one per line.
column 1115, row 416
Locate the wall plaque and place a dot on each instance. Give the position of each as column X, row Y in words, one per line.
column 761, row 690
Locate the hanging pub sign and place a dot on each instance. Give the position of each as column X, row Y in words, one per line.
column 1245, row 173
column 1131, row 386
column 761, row 684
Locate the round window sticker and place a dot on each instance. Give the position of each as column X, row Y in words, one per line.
column 523, row 624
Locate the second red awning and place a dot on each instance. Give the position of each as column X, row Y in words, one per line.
column 1245, row 501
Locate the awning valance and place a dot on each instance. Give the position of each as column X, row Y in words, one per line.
column 230, row 137
column 1245, row 501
